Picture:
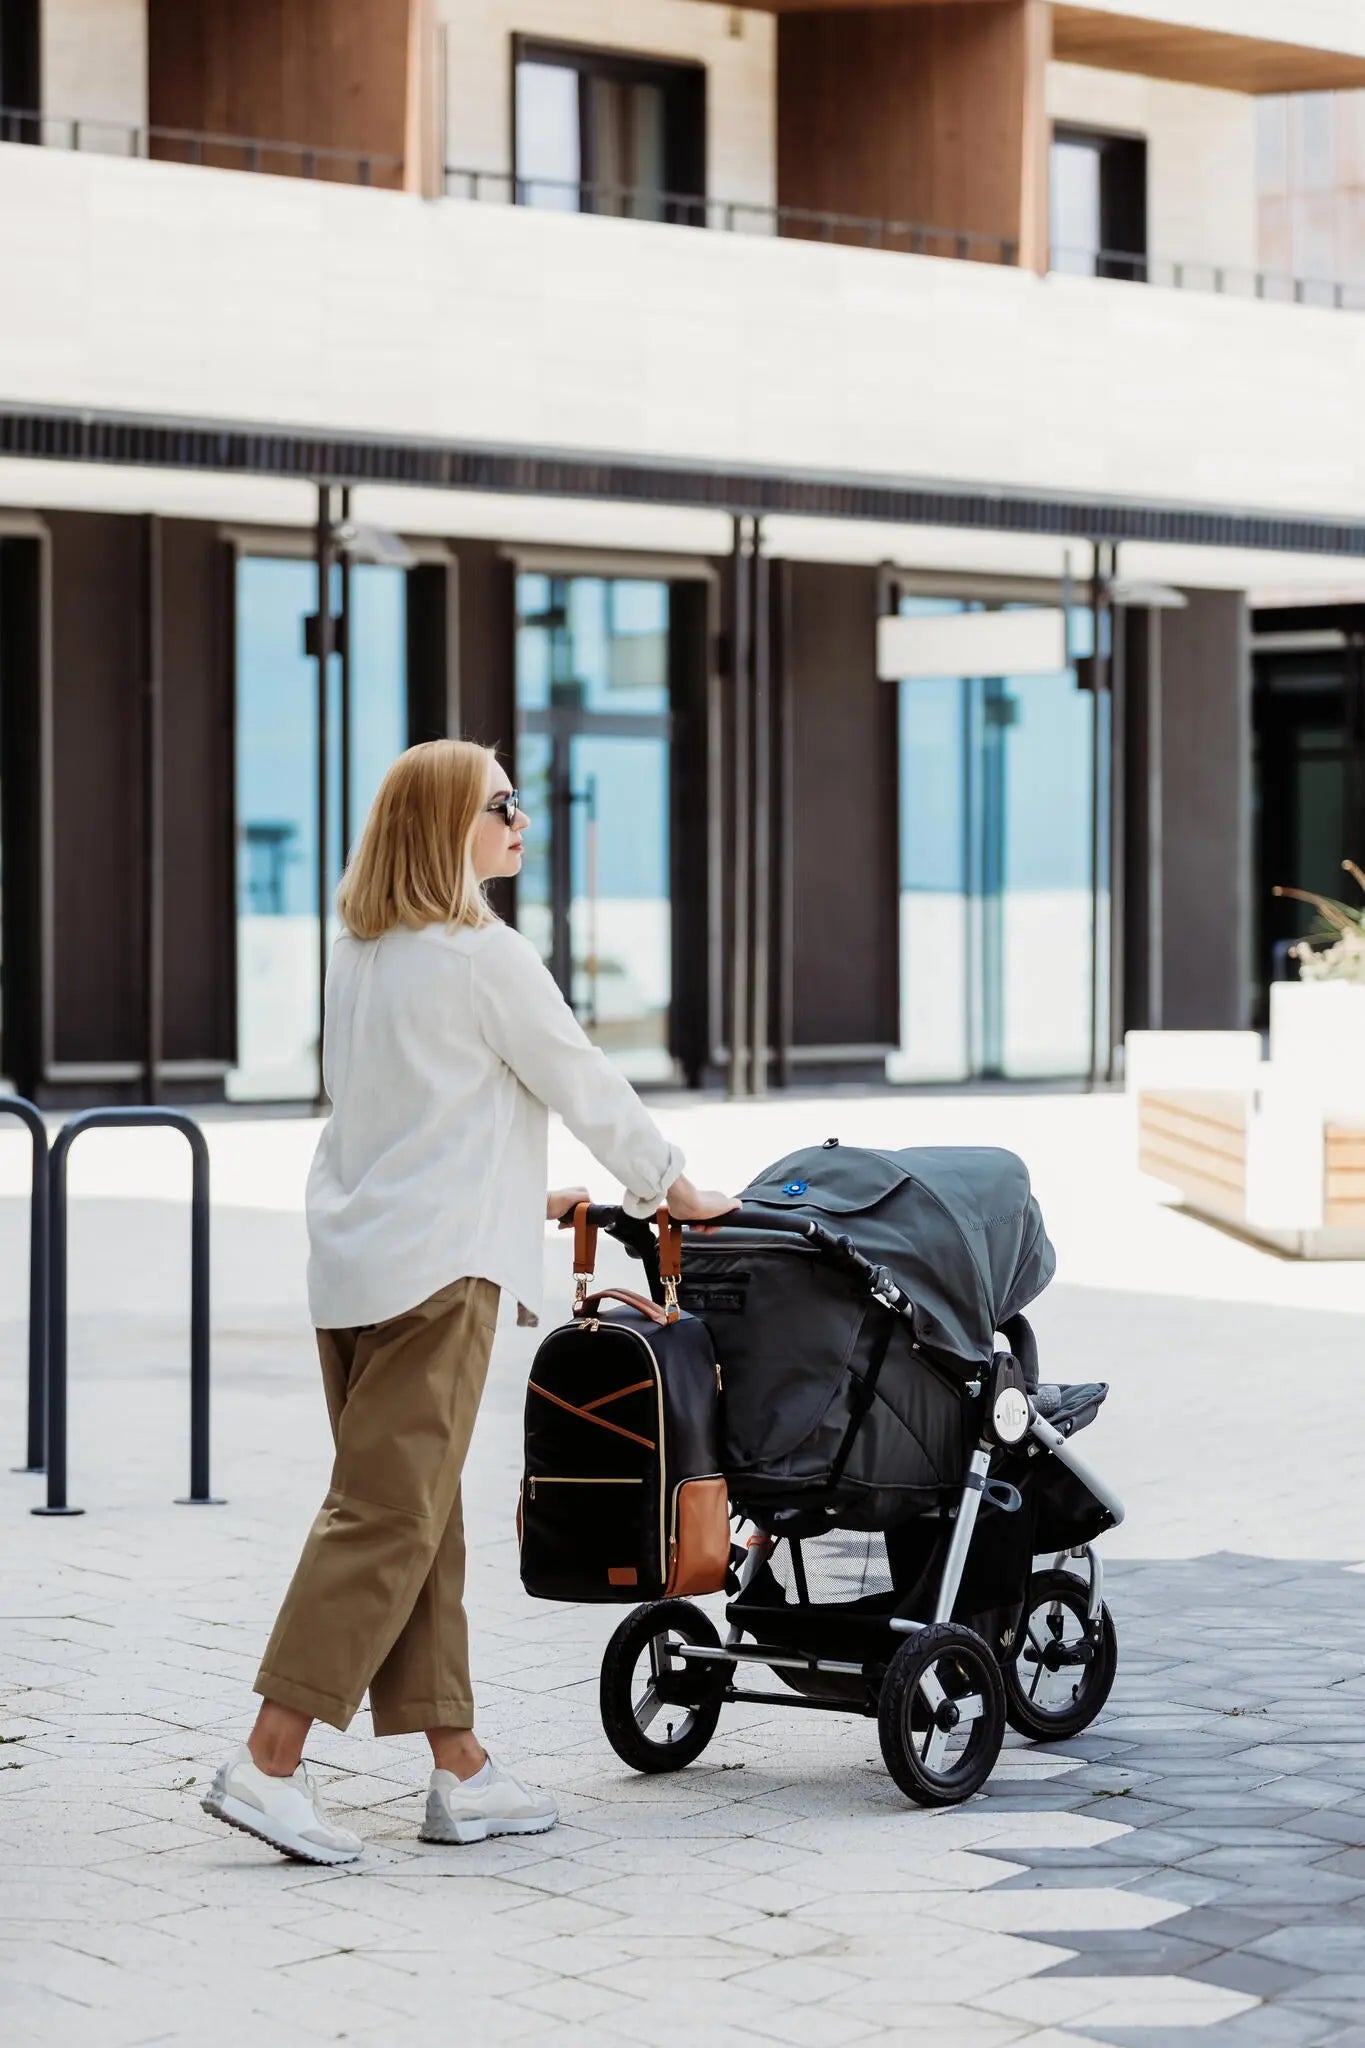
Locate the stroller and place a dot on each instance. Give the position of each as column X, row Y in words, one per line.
column 906, row 1494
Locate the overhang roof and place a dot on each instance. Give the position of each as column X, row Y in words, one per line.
column 1197, row 42
column 244, row 448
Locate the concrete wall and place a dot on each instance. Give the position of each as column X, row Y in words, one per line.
column 737, row 46
column 1206, row 812
column 94, row 65
column 156, row 286
column 1311, row 186
column 1201, row 157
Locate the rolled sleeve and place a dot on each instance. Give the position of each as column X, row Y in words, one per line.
column 527, row 1022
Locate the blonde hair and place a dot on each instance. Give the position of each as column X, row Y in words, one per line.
column 414, row 862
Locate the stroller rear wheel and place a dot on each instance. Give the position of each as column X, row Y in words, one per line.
column 659, row 1710
column 941, row 1715
column 1063, row 1666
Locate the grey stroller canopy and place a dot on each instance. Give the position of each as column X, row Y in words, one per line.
column 832, row 1402
column 956, row 1225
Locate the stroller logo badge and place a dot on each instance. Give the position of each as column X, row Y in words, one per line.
column 1011, row 1415
column 796, row 1187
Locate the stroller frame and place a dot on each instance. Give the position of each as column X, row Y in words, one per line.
column 710, row 1667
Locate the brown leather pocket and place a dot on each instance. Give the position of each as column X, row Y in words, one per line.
column 699, row 1554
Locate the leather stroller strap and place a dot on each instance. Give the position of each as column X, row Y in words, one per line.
column 670, row 1247
column 584, row 1243
column 670, row 1261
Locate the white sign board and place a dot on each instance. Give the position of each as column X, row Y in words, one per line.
column 1024, row 643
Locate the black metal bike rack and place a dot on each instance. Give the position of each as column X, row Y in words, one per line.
column 29, row 1114
column 93, row 1119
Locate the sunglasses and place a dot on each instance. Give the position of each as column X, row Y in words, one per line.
column 509, row 804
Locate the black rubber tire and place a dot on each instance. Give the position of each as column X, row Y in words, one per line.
column 1094, row 1681
column 632, row 1743
column 901, row 1712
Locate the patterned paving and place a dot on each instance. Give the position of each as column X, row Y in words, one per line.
column 1193, row 1869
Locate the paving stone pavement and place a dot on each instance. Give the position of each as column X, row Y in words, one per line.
column 1192, row 1869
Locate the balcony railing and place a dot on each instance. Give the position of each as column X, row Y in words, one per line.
column 729, row 216
column 1230, row 280
column 736, row 216
column 677, row 209
column 190, row 146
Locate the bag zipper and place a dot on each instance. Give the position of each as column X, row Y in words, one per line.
column 556, row 1479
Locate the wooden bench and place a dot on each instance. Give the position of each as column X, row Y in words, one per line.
column 1197, row 1141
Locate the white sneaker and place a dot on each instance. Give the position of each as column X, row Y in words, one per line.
column 458, row 1811
column 281, row 1811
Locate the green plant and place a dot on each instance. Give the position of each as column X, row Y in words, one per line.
column 1342, row 928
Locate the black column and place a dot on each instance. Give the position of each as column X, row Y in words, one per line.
column 153, row 815
column 741, row 816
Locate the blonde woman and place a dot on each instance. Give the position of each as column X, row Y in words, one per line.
column 446, row 1042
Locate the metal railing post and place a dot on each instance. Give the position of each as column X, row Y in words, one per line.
column 92, row 1119
column 29, row 1115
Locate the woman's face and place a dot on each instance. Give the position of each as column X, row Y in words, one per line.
column 497, row 838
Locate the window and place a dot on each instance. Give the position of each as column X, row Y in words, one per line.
column 598, row 133
column 1099, row 205
column 19, row 71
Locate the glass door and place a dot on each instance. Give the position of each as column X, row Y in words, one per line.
column 276, row 797
column 997, row 922
column 593, row 762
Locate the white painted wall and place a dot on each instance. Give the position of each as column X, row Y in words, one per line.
column 147, row 286
column 1201, row 157
column 1313, row 24
column 737, row 46
column 94, row 67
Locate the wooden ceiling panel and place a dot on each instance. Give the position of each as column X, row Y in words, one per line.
column 1118, row 42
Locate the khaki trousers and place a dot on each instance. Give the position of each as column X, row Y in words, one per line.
column 377, row 1600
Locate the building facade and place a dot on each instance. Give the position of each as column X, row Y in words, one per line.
column 874, row 474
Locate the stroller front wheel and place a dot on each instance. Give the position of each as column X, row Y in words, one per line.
column 941, row 1715
column 1063, row 1667
column 659, row 1710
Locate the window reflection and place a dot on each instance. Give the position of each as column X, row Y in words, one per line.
column 276, row 797
column 593, row 760
column 995, row 904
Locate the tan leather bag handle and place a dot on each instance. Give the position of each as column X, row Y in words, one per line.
column 591, row 1303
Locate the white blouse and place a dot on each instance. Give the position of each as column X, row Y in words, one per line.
column 442, row 1052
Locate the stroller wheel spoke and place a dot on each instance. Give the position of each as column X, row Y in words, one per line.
column 931, row 1689
column 646, row 1708
column 972, row 1708
column 935, row 1748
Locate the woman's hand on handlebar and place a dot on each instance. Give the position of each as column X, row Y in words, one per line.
column 688, row 1204
column 561, row 1202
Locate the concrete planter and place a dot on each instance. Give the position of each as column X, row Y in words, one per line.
column 1317, row 1037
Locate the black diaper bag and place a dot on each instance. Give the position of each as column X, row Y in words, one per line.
column 622, row 1496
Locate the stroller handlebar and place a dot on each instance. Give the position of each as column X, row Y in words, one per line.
column 611, row 1218
column 637, row 1235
